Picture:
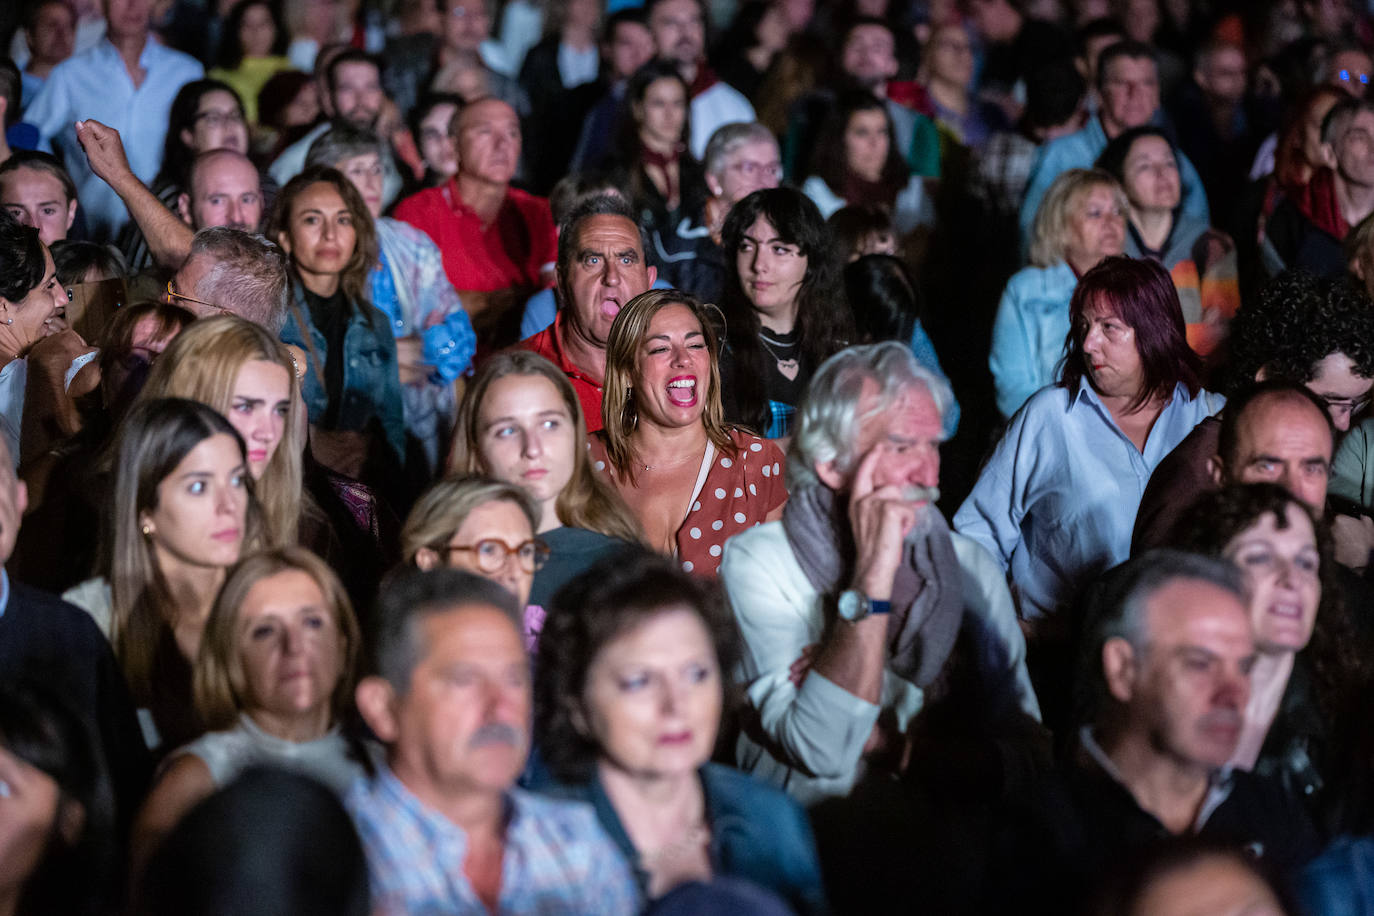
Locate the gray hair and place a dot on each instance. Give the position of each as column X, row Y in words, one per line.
column 828, row 420
column 248, row 277
column 730, row 137
column 409, row 596
column 1117, row 604
column 1049, row 233
column 342, row 141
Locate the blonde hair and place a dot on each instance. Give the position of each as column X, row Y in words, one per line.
column 586, row 501
column 219, row 682
column 202, row 364
column 154, row 438
column 619, row 416
column 441, row 510
column 1050, row 230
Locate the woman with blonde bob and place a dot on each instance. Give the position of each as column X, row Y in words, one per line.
column 273, row 680
column 246, row 374
column 1081, row 220
column 521, row 423
column 484, row 526
column 691, row 480
column 181, row 511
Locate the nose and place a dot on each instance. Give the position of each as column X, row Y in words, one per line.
column 1232, row 690
column 610, row 276
column 670, row 696
column 225, row 500
column 327, row 230
column 533, row 447
column 234, row 216
column 292, row 640
column 1340, row 416
column 1092, row 342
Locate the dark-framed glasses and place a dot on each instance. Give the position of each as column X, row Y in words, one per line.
column 492, row 554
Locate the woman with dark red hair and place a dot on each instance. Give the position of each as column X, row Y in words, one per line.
column 1056, row 502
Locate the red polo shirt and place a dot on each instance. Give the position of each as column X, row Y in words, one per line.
column 548, row 345
column 513, row 251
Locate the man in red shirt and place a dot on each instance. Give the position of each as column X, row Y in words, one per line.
column 498, row 242
column 600, row 268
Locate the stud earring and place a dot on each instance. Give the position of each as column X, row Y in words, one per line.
column 147, row 530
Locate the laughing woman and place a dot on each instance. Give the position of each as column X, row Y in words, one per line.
column 691, row 480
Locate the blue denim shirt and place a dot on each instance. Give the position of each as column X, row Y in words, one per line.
column 758, row 833
column 371, row 380
column 1029, row 331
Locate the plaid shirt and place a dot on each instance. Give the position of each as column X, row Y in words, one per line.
column 557, row 862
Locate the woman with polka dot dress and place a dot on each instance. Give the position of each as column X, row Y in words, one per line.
column 691, row 481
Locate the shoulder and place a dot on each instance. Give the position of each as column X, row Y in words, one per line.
column 1045, row 404
column 169, row 58
column 94, row 597
column 529, row 204
column 763, row 545
column 974, row 559
column 421, row 202
column 732, row 790
column 572, row 820
column 40, row 611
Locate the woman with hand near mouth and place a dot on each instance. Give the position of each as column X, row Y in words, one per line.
column 246, row 374
column 690, row 480
column 351, row 386
column 521, row 423
column 629, row 686
column 273, row 680
column 784, row 307
column 182, row 510
column 1308, row 667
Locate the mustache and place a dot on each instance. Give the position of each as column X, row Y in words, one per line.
column 497, row 733
column 914, row 493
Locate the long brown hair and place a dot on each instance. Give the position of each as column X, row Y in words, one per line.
column 585, row 501
column 154, row 438
column 353, row 278
column 619, row 416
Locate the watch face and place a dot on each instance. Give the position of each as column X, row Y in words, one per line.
column 852, row 605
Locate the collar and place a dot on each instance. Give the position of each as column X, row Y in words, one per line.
column 434, row 824
column 1086, row 392
column 144, row 57
column 561, row 358
column 1219, row 783
column 4, row 590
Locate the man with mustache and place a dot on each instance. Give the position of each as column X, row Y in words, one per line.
column 850, row 606
column 498, row 242
column 601, row 267
column 1165, row 668
column 444, row 828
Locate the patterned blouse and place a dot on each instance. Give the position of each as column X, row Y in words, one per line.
column 732, row 494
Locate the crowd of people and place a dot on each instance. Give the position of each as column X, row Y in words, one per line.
column 669, row 456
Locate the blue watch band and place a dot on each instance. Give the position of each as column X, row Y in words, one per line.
column 879, row 607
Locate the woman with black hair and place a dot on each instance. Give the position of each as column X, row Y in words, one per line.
column 887, row 305
column 57, row 816
column 781, row 305
column 858, row 161
column 252, row 50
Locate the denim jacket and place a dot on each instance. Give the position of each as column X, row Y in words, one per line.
column 371, row 379
column 758, row 833
column 1029, row 331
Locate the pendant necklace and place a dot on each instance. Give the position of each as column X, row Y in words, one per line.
column 788, row 368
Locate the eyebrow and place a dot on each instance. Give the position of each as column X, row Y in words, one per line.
column 552, row 411
column 666, row 337
column 771, row 241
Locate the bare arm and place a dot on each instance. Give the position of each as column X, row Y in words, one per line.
column 186, row 782
column 169, row 238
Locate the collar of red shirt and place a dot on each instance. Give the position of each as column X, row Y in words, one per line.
column 560, row 358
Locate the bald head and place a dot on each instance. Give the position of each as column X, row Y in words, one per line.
column 1279, row 435
column 223, row 189
column 487, row 136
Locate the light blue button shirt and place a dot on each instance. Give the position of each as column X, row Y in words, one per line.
column 1057, row 500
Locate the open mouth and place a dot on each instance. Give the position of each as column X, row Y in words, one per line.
column 1289, row 610
column 610, row 307
column 682, row 391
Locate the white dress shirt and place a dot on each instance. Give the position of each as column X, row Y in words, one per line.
column 96, row 84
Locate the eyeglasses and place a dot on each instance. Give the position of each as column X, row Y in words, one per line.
column 220, row 118
column 492, row 554
column 1351, row 406
column 751, row 169
column 359, row 172
column 172, row 294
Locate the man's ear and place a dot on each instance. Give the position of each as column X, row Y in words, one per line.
column 71, row 821
column 1217, row 470
column 652, row 274
column 830, row 475
column 376, row 700
column 426, row 559
column 1119, row 669
column 184, row 207
column 1328, row 155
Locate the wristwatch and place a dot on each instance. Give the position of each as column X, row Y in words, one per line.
column 854, row 605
